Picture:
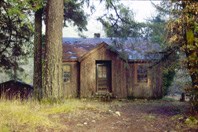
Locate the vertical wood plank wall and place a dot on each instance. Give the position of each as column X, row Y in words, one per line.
column 151, row 89
column 71, row 88
column 88, row 73
column 124, row 77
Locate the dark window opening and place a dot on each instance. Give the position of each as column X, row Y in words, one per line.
column 66, row 73
column 142, row 74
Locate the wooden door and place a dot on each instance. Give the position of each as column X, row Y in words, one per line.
column 103, row 76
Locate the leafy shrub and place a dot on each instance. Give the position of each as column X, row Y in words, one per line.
column 168, row 76
column 191, row 121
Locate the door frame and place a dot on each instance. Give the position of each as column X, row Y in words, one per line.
column 108, row 63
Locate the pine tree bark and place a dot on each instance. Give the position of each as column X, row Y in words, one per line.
column 53, row 50
column 37, row 79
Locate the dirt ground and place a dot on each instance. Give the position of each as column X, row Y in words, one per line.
column 131, row 116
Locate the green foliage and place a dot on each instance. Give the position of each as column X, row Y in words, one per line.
column 183, row 33
column 157, row 34
column 191, row 121
column 120, row 23
column 15, row 33
column 168, row 76
column 73, row 13
column 182, row 36
column 156, row 31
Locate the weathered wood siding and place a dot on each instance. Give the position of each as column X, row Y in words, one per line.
column 124, row 81
column 88, row 73
column 156, row 80
column 150, row 89
column 71, row 88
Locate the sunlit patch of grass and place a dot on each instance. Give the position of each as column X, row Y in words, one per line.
column 16, row 115
column 168, row 99
column 94, row 105
column 149, row 117
column 64, row 107
column 71, row 105
column 177, row 117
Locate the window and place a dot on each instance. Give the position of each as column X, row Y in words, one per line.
column 142, row 74
column 102, row 71
column 66, row 73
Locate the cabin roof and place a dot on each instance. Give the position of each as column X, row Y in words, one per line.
column 136, row 49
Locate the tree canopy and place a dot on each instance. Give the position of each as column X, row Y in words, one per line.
column 120, row 23
column 15, row 32
column 182, row 36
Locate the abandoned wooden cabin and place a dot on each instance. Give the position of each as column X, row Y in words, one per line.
column 98, row 65
column 15, row 89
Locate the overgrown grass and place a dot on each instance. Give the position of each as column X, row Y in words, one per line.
column 168, row 99
column 32, row 115
column 46, row 115
column 16, row 116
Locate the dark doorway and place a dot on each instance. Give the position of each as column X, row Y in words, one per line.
column 103, row 76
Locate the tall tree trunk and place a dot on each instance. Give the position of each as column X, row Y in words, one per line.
column 37, row 82
column 191, row 53
column 53, row 51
